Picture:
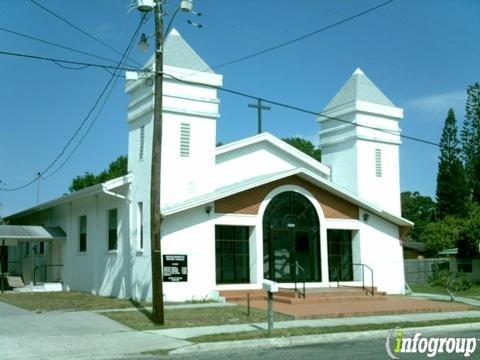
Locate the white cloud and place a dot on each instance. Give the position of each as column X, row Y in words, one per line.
column 438, row 103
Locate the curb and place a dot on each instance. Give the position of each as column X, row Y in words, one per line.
column 314, row 339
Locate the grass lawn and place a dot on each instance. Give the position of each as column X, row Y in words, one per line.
column 66, row 301
column 473, row 292
column 299, row 331
column 178, row 318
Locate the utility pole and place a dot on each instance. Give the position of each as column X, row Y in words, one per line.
column 260, row 107
column 39, row 175
column 156, row 167
column 155, row 211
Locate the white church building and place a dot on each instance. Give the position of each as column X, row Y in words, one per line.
column 235, row 214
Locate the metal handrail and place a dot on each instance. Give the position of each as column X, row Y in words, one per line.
column 298, row 267
column 371, row 288
column 45, row 268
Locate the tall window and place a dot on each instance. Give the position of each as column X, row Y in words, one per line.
column 140, row 225
column 340, row 259
column 232, row 255
column 184, row 139
column 378, row 162
column 27, row 249
column 41, row 248
column 82, row 236
column 112, row 229
column 142, row 142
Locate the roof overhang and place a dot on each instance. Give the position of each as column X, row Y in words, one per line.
column 276, row 142
column 302, row 173
column 13, row 234
column 105, row 188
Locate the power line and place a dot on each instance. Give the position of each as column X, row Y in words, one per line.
column 299, row 109
column 56, row 44
column 71, row 62
column 286, row 43
column 79, row 128
column 235, row 92
column 69, row 23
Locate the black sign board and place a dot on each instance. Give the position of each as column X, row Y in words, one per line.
column 175, row 268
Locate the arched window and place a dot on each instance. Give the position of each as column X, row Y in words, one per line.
column 291, row 239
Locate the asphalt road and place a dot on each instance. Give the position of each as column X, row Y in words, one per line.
column 372, row 349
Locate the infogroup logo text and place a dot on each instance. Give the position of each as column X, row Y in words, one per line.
column 397, row 343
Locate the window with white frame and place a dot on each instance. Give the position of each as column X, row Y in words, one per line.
column 82, row 233
column 140, row 225
column 112, row 229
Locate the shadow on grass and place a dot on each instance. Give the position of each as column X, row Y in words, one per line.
column 141, row 308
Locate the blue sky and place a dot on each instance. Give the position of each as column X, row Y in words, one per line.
column 421, row 54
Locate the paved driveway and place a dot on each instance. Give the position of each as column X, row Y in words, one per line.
column 68, row 335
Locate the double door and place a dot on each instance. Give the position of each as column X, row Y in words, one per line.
column 294, row 255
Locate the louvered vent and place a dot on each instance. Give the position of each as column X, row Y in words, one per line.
column 378, row 162
column 142, row 142
column 184, row 139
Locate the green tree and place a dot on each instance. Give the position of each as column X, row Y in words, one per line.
column 419, row 209
column 452, row 188
column 115, row 169
column 441, row 235
column 469, row 240
column 470, row 137
column 305, row 146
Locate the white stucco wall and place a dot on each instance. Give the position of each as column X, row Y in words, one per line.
column 381, row 250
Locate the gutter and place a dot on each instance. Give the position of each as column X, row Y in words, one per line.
column 114, row 194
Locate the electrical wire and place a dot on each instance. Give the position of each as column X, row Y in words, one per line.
column 235, row 92
column 299, row 109
column 12, row 32
column 303, row 37
column 79, row 128
column 69, row 23
column 71, row 62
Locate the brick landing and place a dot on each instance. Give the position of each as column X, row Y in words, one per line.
column 330, row 303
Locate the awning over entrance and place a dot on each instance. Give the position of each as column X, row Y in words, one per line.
column 10, row 235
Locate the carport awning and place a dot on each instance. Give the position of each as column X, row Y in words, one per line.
column 11, row 234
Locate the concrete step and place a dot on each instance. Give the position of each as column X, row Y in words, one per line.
column 289, row 296
column 324, row 299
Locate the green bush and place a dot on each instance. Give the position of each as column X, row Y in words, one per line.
column 452, row 281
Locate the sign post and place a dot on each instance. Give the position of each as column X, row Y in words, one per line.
column 271, row 287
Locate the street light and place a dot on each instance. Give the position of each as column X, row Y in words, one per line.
column 155, row 186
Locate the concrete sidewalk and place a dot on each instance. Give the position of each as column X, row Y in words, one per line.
column 459, row 299
column 185, row 333
column 89, row 335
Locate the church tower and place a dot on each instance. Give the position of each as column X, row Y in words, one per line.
column 190, row 113
column 362, row 146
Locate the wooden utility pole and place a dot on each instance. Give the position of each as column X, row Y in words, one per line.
column 155, row 211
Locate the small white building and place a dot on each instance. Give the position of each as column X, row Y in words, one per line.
column 236, row 214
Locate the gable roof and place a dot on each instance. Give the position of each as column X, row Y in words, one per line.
column 105, row 187
column 359, row 88
column 305, row 174
column 276, row 142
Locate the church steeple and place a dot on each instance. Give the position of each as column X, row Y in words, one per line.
column 359, row 138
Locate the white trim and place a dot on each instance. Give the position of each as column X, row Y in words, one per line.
column 276, row 142
column 343, row 224
column 321, row 217
column 302, row 173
